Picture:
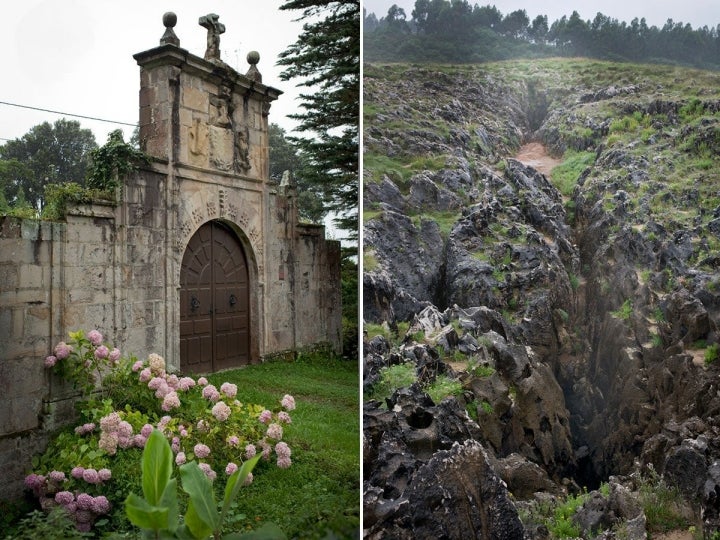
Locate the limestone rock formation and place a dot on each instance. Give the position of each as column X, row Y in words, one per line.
column 580, row 316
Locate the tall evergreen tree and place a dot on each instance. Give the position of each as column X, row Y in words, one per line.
column 326, row 60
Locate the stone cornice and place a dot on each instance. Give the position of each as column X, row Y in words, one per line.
column 172, row 55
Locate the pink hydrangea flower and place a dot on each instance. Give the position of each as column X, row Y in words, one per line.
column 288, row 402
column 248, row 479
column 114, row 355
column 186, row 383
column 34, row 481
column 164, row 421
column 50, row 361
column 163, row 391
column 95, row 337
column 139, row 440
column 229, row 389
column 145, row 375
column 284, row 462
column 172, row 381
column 211, row 393
column 231, row 468
column 180, row 459
column 221, row 411
column 77, row 472
column 203, row 426
column 183, row 432
column 104, row 475
column 56, row 476
column 275, row 431
column 62, row 350
column 155, row 383
column 137, row 366
column 265, row 416
column 201, row 450
column 284, row 417
column 85, row 428
column 156, row 363
column 108, row 442
column 232, row 440
column 170, row 401
column 100, row 505
column 91, row 476
column 124, row 429
column 202, row 381
column 84, row 501
column 208, row 471
column 266, row 449
column 101, row 352
column 250, row 451
column 64, row 497
column 282, row 450
column 110, row 422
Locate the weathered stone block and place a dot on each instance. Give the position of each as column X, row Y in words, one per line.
column 9, row 278
column 19, row 414
column 195, row 99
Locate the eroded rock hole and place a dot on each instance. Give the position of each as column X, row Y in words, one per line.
column 420, row 419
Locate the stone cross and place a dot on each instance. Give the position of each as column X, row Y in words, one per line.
column 214, row 28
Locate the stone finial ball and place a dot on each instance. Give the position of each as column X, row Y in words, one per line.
column 169, row 19
column 253, row 57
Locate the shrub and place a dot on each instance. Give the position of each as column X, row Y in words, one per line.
column 625, row 311
column 711, row 353
column 394, row 377
column 89, row 470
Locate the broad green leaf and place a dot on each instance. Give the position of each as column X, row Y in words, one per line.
column 199, row 487
column 169, row 500
column 156, row 467
column 184, row 533
column 144, row 515
column 235, row 482
column 196, row 524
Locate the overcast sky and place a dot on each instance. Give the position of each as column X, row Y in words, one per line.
column 656, row 12
column 75, row 56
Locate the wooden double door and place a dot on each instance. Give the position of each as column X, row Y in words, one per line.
column 214, row 301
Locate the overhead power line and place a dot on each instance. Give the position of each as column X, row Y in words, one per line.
column 66, row 114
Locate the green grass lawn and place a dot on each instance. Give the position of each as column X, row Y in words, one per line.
column 320, row 492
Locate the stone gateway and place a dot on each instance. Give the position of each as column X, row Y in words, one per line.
column 201, row 259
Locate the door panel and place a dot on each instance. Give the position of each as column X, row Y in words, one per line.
column 214, row 302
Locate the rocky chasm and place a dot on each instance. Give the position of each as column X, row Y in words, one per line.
column 578, row 310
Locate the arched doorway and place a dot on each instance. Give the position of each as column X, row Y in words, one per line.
column 214, row 301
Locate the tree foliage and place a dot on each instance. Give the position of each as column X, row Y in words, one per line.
column 47, row 154
column 114, row 159
column 453, row 30
column 284, row 156
column 326, row 60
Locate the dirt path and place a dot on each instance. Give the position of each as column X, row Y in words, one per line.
column 535, row 155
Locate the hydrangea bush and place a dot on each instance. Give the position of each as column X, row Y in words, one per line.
column 201, row 422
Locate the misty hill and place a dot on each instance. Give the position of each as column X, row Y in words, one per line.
column 576, row 312
column 458, row 31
